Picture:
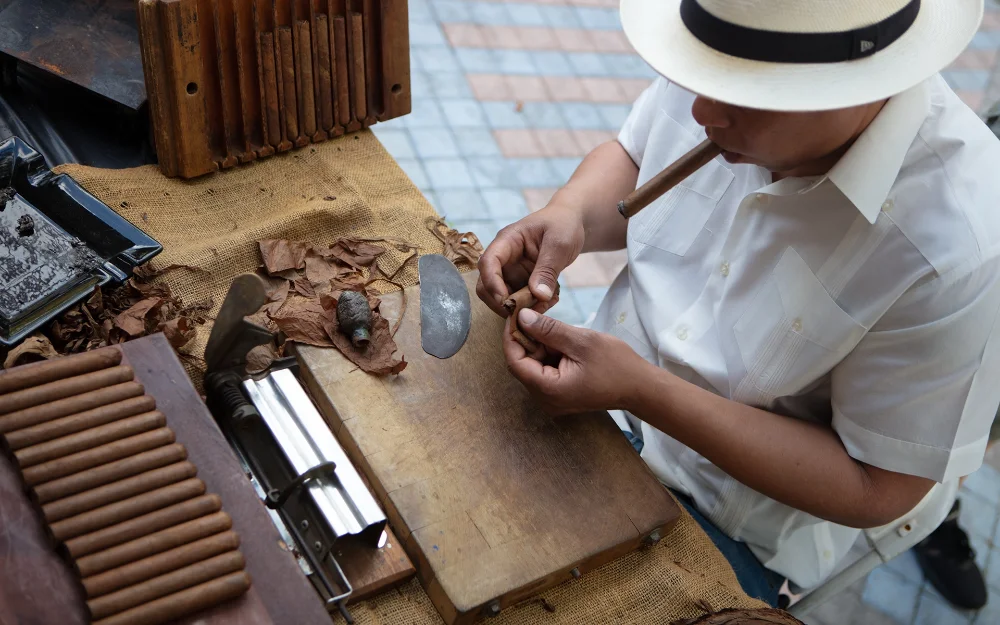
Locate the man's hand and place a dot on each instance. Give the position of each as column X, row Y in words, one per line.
column 578, row 370
column 532, row 251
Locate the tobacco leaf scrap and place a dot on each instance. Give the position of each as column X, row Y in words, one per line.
column 281, row 254
column 353, row 252
column 731, row 616
column 377, row 357
column 133, row 320
column 301, row 319
column 32, row 349
column 458, row 246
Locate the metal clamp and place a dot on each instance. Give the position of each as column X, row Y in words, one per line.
column 276, row 498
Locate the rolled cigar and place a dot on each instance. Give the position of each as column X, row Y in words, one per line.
column 110, row 472
column 80, row 421
column 39, row 373
column 143, row 526
column 124, row 510
column 67, row 387
column 88, row 439
column 358, row 44
column 182, row 603
column 158, row 542
column 148, row 568
column 667, row 179
column 61, row 467
column 117, row 491
column 518, row 300
column 304, row 72
column 70, row 405
column 161, row 586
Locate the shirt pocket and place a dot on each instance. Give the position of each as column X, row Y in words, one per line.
column 674, row 220
column 792, row 334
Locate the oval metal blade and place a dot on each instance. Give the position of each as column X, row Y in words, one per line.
column 445, row 308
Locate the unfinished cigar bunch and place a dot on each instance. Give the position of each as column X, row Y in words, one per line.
column 513, row 304
column 354, row 318
column 116, row 491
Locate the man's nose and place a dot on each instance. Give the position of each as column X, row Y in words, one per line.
column 709, row 113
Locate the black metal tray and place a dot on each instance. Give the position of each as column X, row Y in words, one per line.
column 77, row 242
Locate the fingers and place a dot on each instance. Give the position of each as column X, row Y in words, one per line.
column 551, row 261
column 492, row 288
column 552, row 333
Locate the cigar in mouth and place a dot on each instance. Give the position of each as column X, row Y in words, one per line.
column 670, row 177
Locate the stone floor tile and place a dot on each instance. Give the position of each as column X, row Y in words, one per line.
column 588, row 299
column 537, row 199
column 489, row 86
column 565, row 167
column 415, row 171
column 566, row 309
column 582, row 116
column 552, row 63
column 546, row 115
column 891, row 594
column 992, row 568
column 534, row 172
column 433, row 143
column 476, row 142
column 516, row 143
column 526, row 14
column 905, row 565
column 426, row 35
column 559, row 144
column 503, row 115
column 585, row 271
column 932, row 610
column 477, row 60
column 598, row 18
column 515, row 62
column 436, row 58
column 395, row 141
column 560, row 16
column 990, row 615
column 451, row 10
column 490, row 14
column 588, row 63
column 449, row 84
column 462, row 205
column 505, row 205
column 977, row 515
column 463, row 113
column 489, row 171
column 448, row 173
column 986, row 483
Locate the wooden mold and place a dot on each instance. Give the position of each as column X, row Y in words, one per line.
column 230, row 81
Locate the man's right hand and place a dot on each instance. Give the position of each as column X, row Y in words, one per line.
column 532, row 251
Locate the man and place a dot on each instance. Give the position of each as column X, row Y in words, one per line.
column 803, row 340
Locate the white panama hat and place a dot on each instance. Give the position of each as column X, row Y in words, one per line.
column 799, row 55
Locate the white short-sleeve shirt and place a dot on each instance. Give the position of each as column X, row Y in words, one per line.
column 865, row 299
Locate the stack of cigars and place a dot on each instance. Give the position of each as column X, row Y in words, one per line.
column 116, row 493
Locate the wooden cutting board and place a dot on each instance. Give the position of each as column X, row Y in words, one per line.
column 493, row 499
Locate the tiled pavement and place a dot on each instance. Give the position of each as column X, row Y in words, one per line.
column 508, row 96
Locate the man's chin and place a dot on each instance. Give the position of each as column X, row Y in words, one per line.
column 733, row 157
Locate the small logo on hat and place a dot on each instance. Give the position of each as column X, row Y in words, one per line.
column 867, row 46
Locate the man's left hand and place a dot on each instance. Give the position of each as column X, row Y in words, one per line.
column 578, row 371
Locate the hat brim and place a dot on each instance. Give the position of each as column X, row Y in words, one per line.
column 941, row 32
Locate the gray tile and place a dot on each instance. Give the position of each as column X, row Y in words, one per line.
column 462, row 205
column 588, row 299
column 566, row 311
column 420, row 13
column 982, row 548
column 425, row 113
column 967, row 79
column 582, row 116
column 463, row 113
column 905, row 565
column 436, row 59
column 533, row 172
column 552, row 63
column 588, row 64
column 448, row 173
column 432, row 199
column 489, row 171
column 426, row 35
column 477, row 60
column 614, row 115
column 891, row 594
column 503, row 116
column 420, row 85
column 505, row 205
column 433, row 143
column 395, row 141
column 986, row 483
column 476, row 142
column 517, row 62
column 598, row 18
column 986, row 39
column 452, row 10
column 992, row 568
column 546, row 115
column 559, row 16
column 990, row 615
column 565, row 167
column 977, row 515
column 628, row 66
column 415, row 171
column 449, row 85
column 932, row 610
column 490, row 14
column 525, row 14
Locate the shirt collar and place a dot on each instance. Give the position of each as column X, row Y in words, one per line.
column 866, row 172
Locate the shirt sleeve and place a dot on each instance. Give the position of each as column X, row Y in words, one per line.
column 919, row 392
column 635, row 132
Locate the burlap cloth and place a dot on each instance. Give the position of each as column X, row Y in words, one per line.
column 352, row 187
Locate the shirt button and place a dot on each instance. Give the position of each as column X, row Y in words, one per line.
column 797, row 325
column 621, row 318
column 682, row 333
column 724, row 269
column 887, row 205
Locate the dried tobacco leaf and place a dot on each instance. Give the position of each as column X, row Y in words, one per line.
column 458, row 246
column 377, row 357
column 133, row 320
column 356, row 253
column 178, row 331
column 301, row 319
column 282, row 254
column 35, row 347
column 321, row 270
column 260, row 358
column 303, row 287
